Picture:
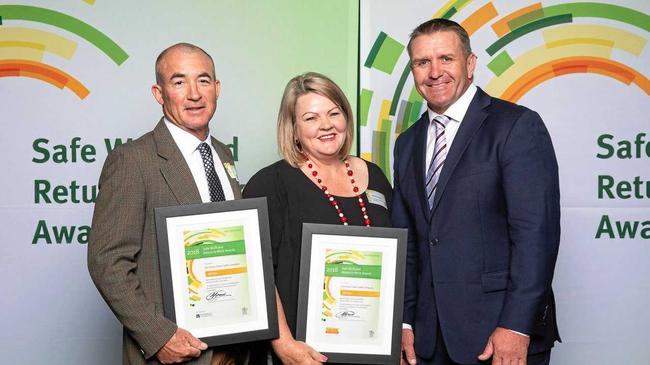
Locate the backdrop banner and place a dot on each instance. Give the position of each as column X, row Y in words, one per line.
column 584, row 66
column 75, row 80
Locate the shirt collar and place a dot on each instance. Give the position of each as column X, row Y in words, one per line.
column 458, row 109
column 185, row 141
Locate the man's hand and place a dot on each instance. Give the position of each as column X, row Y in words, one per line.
column 506, row 348
column 408, row 353
column 181, row 347
column 295, row 352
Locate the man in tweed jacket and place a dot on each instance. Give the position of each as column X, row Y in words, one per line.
column 161, row 168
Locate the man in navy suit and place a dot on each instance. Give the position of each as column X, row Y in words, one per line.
column 476, row 184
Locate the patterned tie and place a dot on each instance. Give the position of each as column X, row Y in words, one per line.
column 216, row 190
column 439, row 155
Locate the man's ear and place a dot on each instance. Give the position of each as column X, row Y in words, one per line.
column 471, row 65
column 217, row 88
column 156, row 90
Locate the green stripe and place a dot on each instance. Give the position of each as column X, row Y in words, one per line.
column 449, row 13
column 215, row 249
column 599, row 10
column 416, row 109
column 69, row 23
column 416, row 112
column 380, row 151
column 398, row 89
column 353, row 271
column 526, row 18
column 388, row 55
column 364, row 101
column 375, row 49
column 528, row 28
column 500, row 63
column 454, row 8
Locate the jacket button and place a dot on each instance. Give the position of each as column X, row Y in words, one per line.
column 434, row 242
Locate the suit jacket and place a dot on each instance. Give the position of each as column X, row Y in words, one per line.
column 484, row 255
column 137, row 177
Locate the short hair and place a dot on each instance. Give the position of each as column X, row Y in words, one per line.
column 441, row 25
column 310, row 82
column 183, row 47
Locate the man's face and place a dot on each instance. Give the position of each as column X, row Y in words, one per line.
column 441, row 71
column 188, row 91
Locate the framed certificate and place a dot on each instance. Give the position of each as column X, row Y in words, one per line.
column 351, row 292
column 216, row 270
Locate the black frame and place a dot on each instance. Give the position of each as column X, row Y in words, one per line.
column 161, row 215
column 400, row 234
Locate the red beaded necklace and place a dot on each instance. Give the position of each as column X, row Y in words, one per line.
column 330, row 197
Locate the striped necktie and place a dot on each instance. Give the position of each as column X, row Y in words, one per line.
column 438, row 160
column 216, row 190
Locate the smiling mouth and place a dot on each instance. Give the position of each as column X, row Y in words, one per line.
column 194, row 109
column 327, row 137
column 438, row 85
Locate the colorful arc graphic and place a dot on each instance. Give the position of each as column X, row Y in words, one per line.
column 21, row 49
column 568, row 48
column 572, row 65
column 67, row 22
column 43, row 72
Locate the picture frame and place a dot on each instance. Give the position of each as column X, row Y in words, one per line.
column 216, row 270
column 351, row 292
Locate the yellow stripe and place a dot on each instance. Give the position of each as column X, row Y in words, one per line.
column 601, row 35
column 31, row 54
column 51, row 42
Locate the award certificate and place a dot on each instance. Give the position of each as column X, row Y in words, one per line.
column 351, row 292
column 216, row 270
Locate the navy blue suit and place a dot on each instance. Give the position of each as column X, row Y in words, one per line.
column 484, row 255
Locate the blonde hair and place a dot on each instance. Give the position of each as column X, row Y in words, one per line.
column 310, row 82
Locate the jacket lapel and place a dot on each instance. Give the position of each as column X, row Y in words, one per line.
column 419, row 161
column 473, row 120
column 173, row 167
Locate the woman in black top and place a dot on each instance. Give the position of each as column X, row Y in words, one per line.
column 316, row 182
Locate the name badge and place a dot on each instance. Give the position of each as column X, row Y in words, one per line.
column 375, row 197
column 230, row 169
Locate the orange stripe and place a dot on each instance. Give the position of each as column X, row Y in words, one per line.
column 478, row 19
column 502, row 28
column 230, row 271
column 41, row 71
column 5, row 72
column 52, row 74
column 559, row 70
column 42, row 77
column 360, row 293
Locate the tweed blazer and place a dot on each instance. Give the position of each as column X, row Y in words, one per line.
column 137, row 177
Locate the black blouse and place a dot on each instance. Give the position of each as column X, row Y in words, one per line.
column 293, row 199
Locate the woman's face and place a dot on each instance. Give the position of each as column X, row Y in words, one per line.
column 320, row 126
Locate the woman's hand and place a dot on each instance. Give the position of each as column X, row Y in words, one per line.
column 287, row 348
column 292, row 352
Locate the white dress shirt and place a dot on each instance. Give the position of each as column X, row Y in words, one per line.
column 456, row 112
column 189, row 146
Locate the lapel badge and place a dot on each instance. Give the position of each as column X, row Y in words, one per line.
column 230, row 169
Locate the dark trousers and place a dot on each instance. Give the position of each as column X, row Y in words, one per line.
column 441, row 357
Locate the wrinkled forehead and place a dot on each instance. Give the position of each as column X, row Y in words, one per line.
column 186, row 61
